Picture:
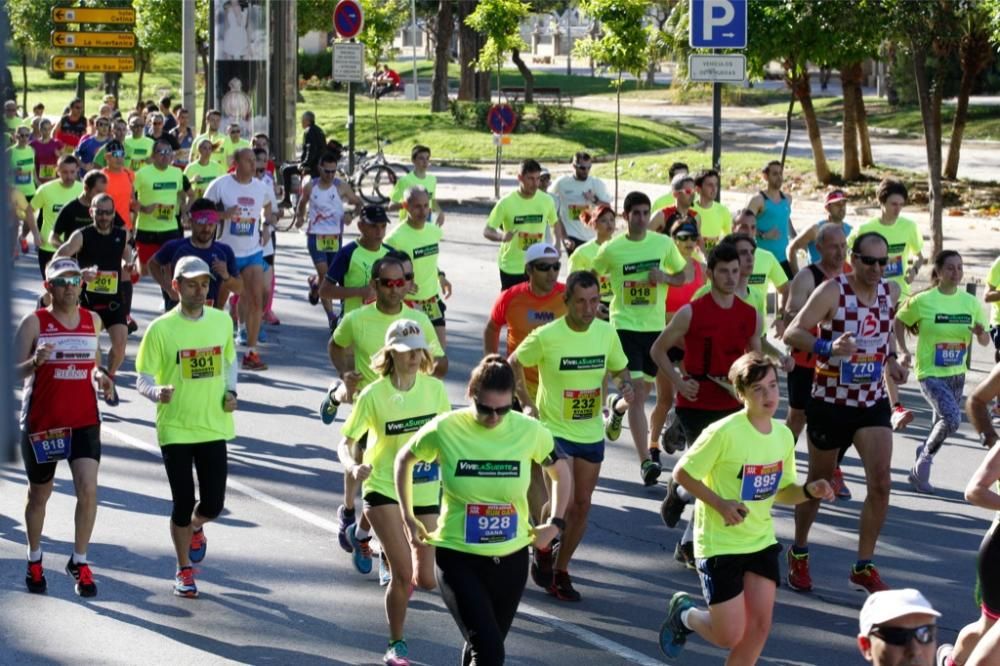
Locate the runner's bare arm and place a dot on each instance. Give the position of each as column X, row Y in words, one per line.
column 300, row 209
column 72, row 246
column 673, row 336
column 405, row 461
column 796, row 494
column 562, row 486
column 801, row 286
column 733, row 512
column 800, row 244
column 491, row 338
column 978, row 406
column 521, row 386
column 992, row 293
column 821, row 306
column 347, row 452
column 28, row 358
column 756, row 203
column 980, row 490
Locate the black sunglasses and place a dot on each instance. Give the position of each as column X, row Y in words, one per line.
column 900, row 637
column 547, row 267
column 485, row 410
column 871, row 261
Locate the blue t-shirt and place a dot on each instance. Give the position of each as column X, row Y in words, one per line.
column 172, row 251
column 87, row 150
column 774, row 216
column 813, row 252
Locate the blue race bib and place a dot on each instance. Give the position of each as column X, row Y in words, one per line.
column 425, row 472
column 948, row 354
column 51, row 445
column 490, row 523
column 861, row 369
column 760, row 481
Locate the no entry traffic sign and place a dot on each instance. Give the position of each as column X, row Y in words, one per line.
column 501, row 119
column 348, row 19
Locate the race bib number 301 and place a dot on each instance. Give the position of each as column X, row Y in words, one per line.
column 490, row 523
column 205, row 363
column 862, row 369
column 760, row 481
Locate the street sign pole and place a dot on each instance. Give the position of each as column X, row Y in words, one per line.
column 717, row 131
column 348, row 20
column 350, row 126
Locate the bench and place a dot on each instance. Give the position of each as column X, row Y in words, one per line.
column 540, row 92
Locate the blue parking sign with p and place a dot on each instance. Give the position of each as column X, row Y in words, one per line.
column 718, row 24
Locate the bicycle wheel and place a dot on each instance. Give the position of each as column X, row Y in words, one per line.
column 376, row 183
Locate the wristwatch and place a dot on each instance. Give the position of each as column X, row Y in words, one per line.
column 558, row 522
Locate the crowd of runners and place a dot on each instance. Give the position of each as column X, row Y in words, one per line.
column 667, row 306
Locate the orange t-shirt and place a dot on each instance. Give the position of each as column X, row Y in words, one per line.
column 121, row 189
column 521, row 312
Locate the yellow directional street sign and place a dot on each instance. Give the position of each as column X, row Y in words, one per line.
column 110, row 40
column 125, row 15
column 64, row 63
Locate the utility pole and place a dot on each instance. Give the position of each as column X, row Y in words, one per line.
column 188, row 59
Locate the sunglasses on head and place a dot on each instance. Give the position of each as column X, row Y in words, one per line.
column 871, row 261
column 547, row 267
column 66, row 281
column 486, row 410
column 391, row 283
column 686, row 237
column 900, row 637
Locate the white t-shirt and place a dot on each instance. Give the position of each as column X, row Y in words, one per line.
column 571, row 200
column 326, row 210
column 241, row 233
column 268, row 180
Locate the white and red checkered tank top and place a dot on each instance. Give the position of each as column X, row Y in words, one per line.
column 857, row 380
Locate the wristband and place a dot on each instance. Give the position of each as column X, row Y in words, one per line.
column 558, row 522
column 805, row 491
column 892, row 355
column 823, row 347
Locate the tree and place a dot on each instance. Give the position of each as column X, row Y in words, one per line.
column 383, row 19
column 444, row 29
column 158, row 27
column 624, row 47
column 975, row 55
column 659, row 12
column 500, row 22
column 314, row 15
column 30, row 26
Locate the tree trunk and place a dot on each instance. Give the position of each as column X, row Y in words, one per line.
column 976, row 56
column 861, row 118
column 529, row 78
column 932, row 141
column 800, row 85
column 24, row 77
column 651, row 74
column 618, row 131
column 849, row 74
column 788, row 128
column 142, row 73
column 472, row 85
column 442, row 53
column 206, row 103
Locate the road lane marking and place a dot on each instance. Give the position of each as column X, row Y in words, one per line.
column 559, row 624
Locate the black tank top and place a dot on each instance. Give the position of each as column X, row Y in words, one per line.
column 102, row 251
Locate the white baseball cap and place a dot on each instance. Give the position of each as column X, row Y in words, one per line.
column 405, row 335
column 61, row 266
column 191, row 266
column 882, row 607
column 540, row 251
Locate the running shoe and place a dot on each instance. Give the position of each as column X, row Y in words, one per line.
column 84, row 577
column 840, row 488
column 867, row 579
column 613, row 424
column 198, row 547
column 384, row 575
column 684, row 553
column 901, row 416
column 35, row 578
column 362, row 551
column 331, row 321
column 241, row 336
column 654, row 455
column 561, row 587
column 261, row 335
column 328, row 408
column 251, row 361
column 271, row 319
column 132, row 326
column 184, row 585
column 24, row 246
column 673, row 633
column 650, row 472
column 541, row 567
column 943, row 652
column 920, row 476
column 672, row 506
column 345, row 521
column 313, row 290
column 396, row 654
column 798, row 571
column 672, row 439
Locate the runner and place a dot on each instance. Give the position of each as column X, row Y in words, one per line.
column 161, row 191
column 683, row 188
column 58, row 359
column 420, row 240
column 184, row 136
column 773, row 209
column 905, row 260
column 855, row 347
column 270, row 247
column 87, row 149
column 714, row 330
column 836, row 211
column 944, row 318
column 898, row 627
column 244, row 203
column 667, row 199
column 102, row 249
column 350, row 274
column 574, row 194
column 187, row 366
column 21, row 218
column 72, row 125
column 404, row 365
column 571, row 356
column 483, row 533
column 76, row 214
column 738, row 468
column 686, row 237
column 213, row 117
column 639, row 265
column 832, row 246
column 352, row 345
column 420, row 156
column 119, row 131
column 518, row 221
column 138, row 146
column 714, row 219
column 225, row 279
column 322, row 204
column 47, row 152
column 766, row 269
column 993, row 297
column 49, row 199
column 120, row 181
column 22, row 162
column 204, row 169
column 601, row 219
column 233, row 142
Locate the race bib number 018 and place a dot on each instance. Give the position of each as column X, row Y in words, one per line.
column 205, row 363
column 862, row 369
column 581, row 405
column 760, row 481
column 490, row 523
column 51, row 445
column 638, row 293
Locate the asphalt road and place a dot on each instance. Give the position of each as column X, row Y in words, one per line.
column 275, row 587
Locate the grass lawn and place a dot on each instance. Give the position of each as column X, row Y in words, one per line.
column 983, row 121
column 406, row 123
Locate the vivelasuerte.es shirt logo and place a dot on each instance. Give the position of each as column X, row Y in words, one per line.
column 528, row 219
column 493, row 469
column 581, row 362
column 953, row 319
column 425, row 251
column 165, row 186
column 639, row 266
column 411, row 424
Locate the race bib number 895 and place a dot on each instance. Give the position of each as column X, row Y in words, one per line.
column 760, row 481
